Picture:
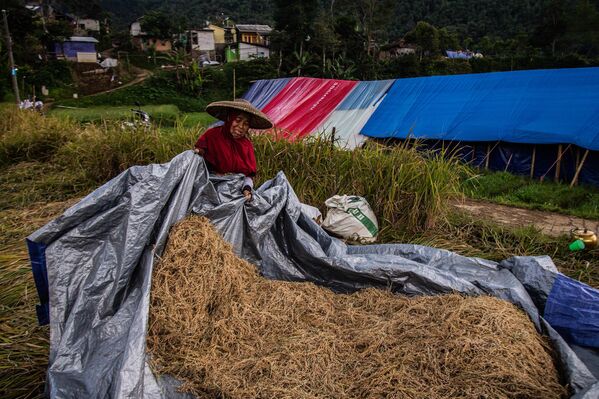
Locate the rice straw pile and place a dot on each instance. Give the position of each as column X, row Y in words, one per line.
column 229, row 333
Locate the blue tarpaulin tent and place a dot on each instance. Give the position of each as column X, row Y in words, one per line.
column 541, row 112
column 535, row 107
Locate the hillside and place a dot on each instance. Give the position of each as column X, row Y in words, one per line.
column 473, row 18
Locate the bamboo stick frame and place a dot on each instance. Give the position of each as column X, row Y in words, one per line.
column 558, row 166
column 532, row 162
column 578, row 169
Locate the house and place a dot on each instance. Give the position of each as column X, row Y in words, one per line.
column 253, row 41
column 225, row 39
column 254, row 34
column 201, row 43
column 144, row 42
column 86, row 26
column 463, row 55
column 396, row 49
column 78, row 49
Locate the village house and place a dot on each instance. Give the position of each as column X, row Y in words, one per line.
column 396, row 49
column 144, row 42
column 253, row 41
column 225, row 39
column 77, row 49
column 85, row 26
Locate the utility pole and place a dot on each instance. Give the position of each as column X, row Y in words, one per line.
column 13, row 70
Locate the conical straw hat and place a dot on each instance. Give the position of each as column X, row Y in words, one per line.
column 221, row 109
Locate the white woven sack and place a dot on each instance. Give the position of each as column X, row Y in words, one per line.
column 351, row 218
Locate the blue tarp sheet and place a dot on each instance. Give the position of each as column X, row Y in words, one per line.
column 262, row 91
column 537, row 107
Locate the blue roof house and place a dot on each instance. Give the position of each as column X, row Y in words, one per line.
column 78, row 49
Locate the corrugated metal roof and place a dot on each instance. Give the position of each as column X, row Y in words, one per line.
column 254, row 28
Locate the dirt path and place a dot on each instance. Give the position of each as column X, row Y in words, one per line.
column 142, row 74
column 553, row 224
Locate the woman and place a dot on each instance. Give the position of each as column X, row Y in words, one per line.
column 227, row 148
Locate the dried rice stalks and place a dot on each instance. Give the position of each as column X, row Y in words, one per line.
column 229, row 333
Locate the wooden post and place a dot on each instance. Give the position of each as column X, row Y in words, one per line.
column 559, row 162
column 488, row 156
column 333, row 137
column 233, row 83
column 507, row 165
column 532, row 163
column 578, row 169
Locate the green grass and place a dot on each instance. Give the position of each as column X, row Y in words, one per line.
column 407, row 190
column 160, row 114
column 508, row 189
column 195, row 119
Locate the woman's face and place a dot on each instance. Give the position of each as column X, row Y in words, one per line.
column 240, row 125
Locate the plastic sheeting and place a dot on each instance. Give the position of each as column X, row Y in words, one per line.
column 353, row 113
column 537, row 107
column 303, row 104
column 262, row 91
column 100, row 253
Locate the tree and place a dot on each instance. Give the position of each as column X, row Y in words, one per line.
column 583, row 27
column 159, row 25
column 425, row 36
column 553, row 25
column 375, row 17
column 325, row 39
column 448, row 40
column 296, row 18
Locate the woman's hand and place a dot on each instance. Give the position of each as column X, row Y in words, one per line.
column 247, row 192
column 199, row 151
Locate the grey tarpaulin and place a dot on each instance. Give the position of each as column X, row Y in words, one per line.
column 100, row 254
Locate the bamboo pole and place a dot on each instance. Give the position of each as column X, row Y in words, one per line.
column 578, row 169
column 333, row 137
column 234, row 84
column 473, row 153
column 558, row 167
column 507, row 165
column 488, row 156
column 532, row 163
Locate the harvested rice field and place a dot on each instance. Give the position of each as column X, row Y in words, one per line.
column 227, row 332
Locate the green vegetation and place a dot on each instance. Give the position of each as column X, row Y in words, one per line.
column 151, row 92
column 508, row 189
column 159, row 113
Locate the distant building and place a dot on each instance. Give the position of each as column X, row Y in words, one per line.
column 396, row 49
column 462, row 54
column 87, row 26
column 225, row 39
column 144, row 42
column 250, row 51
column 254, row 34
column 201, row 43
column 253, row 41
column 77, row 49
